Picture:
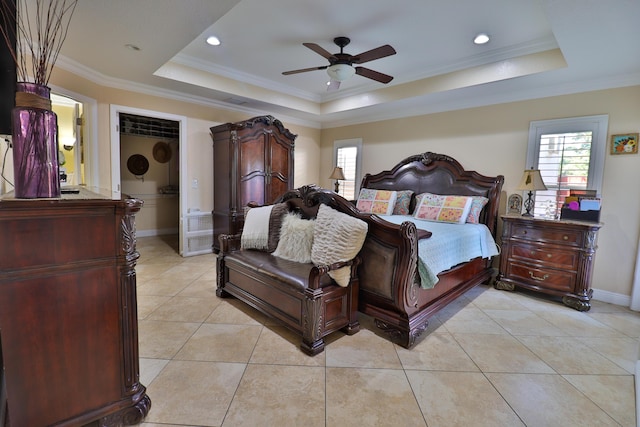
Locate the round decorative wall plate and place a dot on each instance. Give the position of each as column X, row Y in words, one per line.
column 162, row 152
column 138, row 164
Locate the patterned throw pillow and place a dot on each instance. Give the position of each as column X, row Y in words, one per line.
column 403, row 200
column 376, row 201
column 337, row 237
column 452, row 209
column 477, row 203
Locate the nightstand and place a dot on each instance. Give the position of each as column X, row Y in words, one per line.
column 554, row 257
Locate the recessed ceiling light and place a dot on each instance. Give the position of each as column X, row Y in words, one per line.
column 213, row 41
column 132, row 47
column 481, row 38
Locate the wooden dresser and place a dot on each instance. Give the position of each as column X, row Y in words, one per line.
column 68, row 313
column 550, row 256
column 252, row 162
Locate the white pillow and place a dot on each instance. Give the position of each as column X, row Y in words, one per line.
column 435, row 207
column 296, row 238
column 337, row 237
column 376, row 201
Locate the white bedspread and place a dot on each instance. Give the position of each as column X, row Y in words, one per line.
column 448, row 246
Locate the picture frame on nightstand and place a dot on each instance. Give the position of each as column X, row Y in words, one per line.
column 515, row 204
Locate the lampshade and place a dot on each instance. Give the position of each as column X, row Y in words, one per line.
column 337, row 174
column 531, row 181
column 340, row 72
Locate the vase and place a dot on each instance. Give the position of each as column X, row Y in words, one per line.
column 35, row 143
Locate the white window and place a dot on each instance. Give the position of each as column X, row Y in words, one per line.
column 570, row 155
column 347, row 154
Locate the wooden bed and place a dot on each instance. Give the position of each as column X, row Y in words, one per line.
column 390, row 289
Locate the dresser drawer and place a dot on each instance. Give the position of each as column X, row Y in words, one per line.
column 547, row 235
column 546, row 257
column 561, row 280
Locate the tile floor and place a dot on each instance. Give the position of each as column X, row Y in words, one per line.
column 491, row 358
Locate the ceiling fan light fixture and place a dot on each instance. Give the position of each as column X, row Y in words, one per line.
column 341, row 72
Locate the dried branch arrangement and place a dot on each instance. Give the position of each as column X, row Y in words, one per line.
column 39, row 34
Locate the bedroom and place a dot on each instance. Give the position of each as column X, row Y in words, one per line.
column 491, row 139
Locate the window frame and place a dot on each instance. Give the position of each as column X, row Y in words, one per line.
column 597, row 125
column 345, row 143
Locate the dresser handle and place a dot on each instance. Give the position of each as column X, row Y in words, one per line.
column 549, row 255
column 565, row 237
column 540, row 279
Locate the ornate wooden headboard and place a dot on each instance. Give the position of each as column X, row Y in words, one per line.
column 440, row 174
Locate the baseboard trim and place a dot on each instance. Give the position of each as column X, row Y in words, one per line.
column 611, row 297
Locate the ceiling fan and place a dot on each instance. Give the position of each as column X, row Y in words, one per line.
column 341, row 67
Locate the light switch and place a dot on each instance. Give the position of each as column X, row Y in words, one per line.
column 194, row 183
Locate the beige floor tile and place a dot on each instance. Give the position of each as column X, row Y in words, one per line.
column 436, row 352
column 496, row 300
column 621, row 351
column 364, row 349
column 370, row 397
column 284, row 396
column 277, row 345
column 221, row 343
column 470, row 320
column 203, row 287
column 580, row 324
column 464, row 369
column 548, row 400
column 150, row 368
column 162, row 340
column 452, row 399
column 163, row 286
column 193, row 393
column 185, row 309
column 148, row 303
column 523, row 322
column 626, row 323
column 236, row 312
column 501, row 353
column 539, row 302
column 613, row 394
column 568, row 355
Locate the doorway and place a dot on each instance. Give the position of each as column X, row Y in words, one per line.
column 148, row 153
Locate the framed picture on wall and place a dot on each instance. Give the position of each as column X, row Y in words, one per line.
column 624, row 143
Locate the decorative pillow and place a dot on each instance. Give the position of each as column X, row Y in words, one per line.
column 376, row 201
column 434, row 207
column 337, row 237
column 255, row 232
column 477, row 203
column 296, row 238
column 403, row 200
column 275, row 223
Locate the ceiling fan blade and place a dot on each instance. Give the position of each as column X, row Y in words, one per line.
column 373, row 75
column 377, row 53
column 333, row 86
column 304, row 70
column 318, row 49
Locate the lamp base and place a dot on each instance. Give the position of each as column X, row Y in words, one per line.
column 337, row 187
column 529, row 205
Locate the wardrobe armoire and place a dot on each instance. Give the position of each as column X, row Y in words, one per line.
column 252, row 162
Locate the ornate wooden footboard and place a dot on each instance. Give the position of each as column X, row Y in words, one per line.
column 389, row 286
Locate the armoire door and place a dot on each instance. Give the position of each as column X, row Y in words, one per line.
column 252, row 167
column 279, row 178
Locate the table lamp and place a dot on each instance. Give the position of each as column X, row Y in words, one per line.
column 531, row 181
column 338, row 175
